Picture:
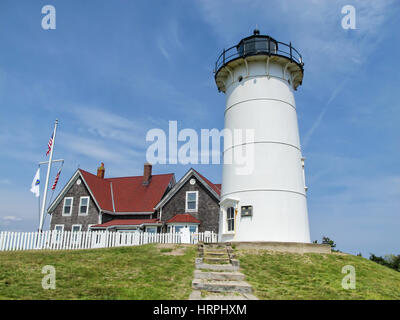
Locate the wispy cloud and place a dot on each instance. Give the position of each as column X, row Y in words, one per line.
column 168, row 39
column 97, row 149
column 331, row 53
column 109, row 125
column 11, row 218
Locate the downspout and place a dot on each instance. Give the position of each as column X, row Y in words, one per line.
column 161, row 219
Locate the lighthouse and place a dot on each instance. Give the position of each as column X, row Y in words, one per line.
column 268, row 202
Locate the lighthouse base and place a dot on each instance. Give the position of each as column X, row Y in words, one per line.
column 291, row 247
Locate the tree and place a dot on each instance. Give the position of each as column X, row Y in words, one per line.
column 326, row 240
column 392, row 261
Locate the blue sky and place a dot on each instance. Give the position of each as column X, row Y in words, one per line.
column 112, row 70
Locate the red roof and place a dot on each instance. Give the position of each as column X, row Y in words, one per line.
column 129, row 194
column 215, row 187
column 183, row 217
column 127, row 222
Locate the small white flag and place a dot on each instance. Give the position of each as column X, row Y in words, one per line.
column 36, row 183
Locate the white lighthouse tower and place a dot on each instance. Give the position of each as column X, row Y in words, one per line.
column 267, row 202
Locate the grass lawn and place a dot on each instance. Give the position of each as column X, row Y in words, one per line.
column 137, row 273
column 315, row 276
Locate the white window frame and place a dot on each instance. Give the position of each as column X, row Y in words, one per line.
column 72, row 204
column 74, row 225
column 57, row 237
column 197, row 201
column 227, row 222
column 151, row 227
column 59, row 225
column 74, row 236
column 87, row 207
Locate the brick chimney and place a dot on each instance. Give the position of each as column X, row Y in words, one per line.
column 147, row 173
column 100, row 171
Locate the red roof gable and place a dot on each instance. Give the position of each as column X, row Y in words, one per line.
column 215, row 187
column 183, row 217
column 129, row 194
column 126, row 222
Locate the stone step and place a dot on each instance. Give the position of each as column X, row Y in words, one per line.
column 215, row 253
column 205, row 295
column 224, row 256
column 216, row 260
column 214, row 245
column 216, row 267
column 215, row 250
column 236, row 296
column 232, row 276
column 221, row 286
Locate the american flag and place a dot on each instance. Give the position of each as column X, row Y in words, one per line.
column 49, row 145
column 56, row 180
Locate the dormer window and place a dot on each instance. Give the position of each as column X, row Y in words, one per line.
column 192, row 201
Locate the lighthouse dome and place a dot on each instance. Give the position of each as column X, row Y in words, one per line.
column 257, row 44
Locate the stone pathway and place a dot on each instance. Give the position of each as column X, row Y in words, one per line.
column 217, row 275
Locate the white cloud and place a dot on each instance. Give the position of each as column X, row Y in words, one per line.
column 98, row 149
column 331, row 54
column 11, row 218
column 168, row 39
column 108, row 125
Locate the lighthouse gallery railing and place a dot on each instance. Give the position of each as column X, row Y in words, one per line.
column 253, row 47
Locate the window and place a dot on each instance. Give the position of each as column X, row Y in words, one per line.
column 178, row 228
column 151, row 229
column 191, row 201
column 67, row 209
column 75, row 236
column 84, row 206
column 230, row 219
column 59, row 227
column 192, row 229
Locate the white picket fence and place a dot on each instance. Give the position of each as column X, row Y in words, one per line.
column 67, row 240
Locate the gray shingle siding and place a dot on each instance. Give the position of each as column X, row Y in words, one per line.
column 76, row 191
column 208, row 206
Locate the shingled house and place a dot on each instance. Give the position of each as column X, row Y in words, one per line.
column 193, row 202
column 150, row 203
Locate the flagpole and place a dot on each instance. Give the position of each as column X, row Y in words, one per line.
column 47, row 178
column 39, row 197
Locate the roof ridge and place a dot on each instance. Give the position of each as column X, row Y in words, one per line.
column 161, row 174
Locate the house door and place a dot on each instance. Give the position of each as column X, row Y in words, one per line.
column 185, row 235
